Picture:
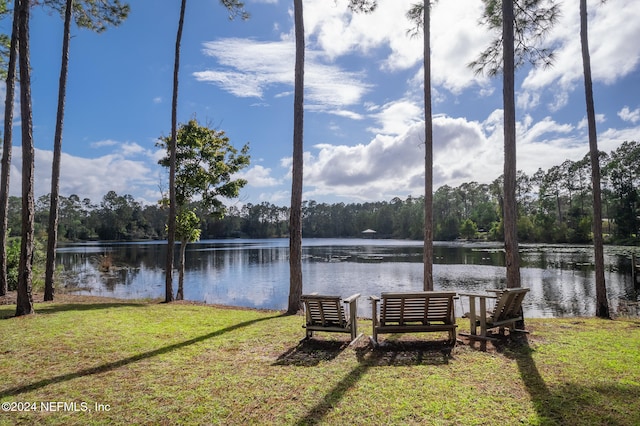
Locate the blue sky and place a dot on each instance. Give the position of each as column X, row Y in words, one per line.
column 363, row 97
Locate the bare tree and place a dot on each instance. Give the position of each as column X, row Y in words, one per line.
column 516, row 44
column 92, row 14
column 420, row 14
column 24, row 304
column 6, row 148
column 295, row 212
column 171, row 221
column 602, row 305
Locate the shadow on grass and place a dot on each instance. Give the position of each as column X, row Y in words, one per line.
column 317, row 413
column 403, row 353
column 65, row 307
column 398, row 353
column 609, row 404
column 130, row 360
column 311, row 352
column 45, row 308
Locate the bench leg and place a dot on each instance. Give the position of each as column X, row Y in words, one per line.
column 483, row 317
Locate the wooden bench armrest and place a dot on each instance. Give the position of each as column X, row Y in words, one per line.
column 351, row 298
column 486, row 296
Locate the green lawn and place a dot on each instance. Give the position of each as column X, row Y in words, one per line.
column 128, row 362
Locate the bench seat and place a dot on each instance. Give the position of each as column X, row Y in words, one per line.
column 425, row 311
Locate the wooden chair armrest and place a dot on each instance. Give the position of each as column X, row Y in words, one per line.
column 374, row 309
column 351, row 298
column 486, row 296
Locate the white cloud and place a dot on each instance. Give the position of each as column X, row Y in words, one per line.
column 250, row 68
column 612, row 56
column 107, row 142
column 390, row 166
column 396, row 116
column 464, row 151
column 627, row 115
column 583, row 124
column 132, row 148
column 259, row 176
column 89, row 177
column 456, row 40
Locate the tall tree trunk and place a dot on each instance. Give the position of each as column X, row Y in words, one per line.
column 6, row 149
column 512, row 257
column 183, row 250
column 428, row 152
column 295, row 219
column 52, row 236
column 602, row 305
column 171, row 221
column 24, row 304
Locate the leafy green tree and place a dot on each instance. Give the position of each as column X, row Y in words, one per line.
column 205, row 166
column 468, row 229
column 623, row 173
column 5, row 42
column 94, row 15
column 118, row 217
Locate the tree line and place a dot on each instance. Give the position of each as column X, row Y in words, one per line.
column 554, row 206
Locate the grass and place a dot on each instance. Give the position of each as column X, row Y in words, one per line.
column 145, row 362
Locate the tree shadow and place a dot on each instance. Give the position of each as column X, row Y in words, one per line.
column 404, row 353
column 311, row 352
column 398, row 353
column 610, row 404
column 130, row 360
column 7, row 311
column 318, row 412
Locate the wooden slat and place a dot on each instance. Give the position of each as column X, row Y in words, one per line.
column 415, row 312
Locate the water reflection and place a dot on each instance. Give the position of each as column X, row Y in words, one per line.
column 255, row 273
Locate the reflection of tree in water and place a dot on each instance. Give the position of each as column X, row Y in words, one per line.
column 84, row 271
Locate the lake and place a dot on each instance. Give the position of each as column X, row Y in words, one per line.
column 255, row 273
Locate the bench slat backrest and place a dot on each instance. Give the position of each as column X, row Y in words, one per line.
column 324, row 310
column 509, row 304
column 420, row 307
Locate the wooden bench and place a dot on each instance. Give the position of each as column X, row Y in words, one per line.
column 426, row 311
column 325, row 313
column 506, row 312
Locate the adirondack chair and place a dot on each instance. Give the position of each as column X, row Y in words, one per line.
column 507, row 311
column 326, row 313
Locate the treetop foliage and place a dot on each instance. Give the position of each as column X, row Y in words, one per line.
column 206, row 164
column 533, row 20
column 95, row 15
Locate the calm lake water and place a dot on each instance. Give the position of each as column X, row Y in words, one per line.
column 255, row 273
